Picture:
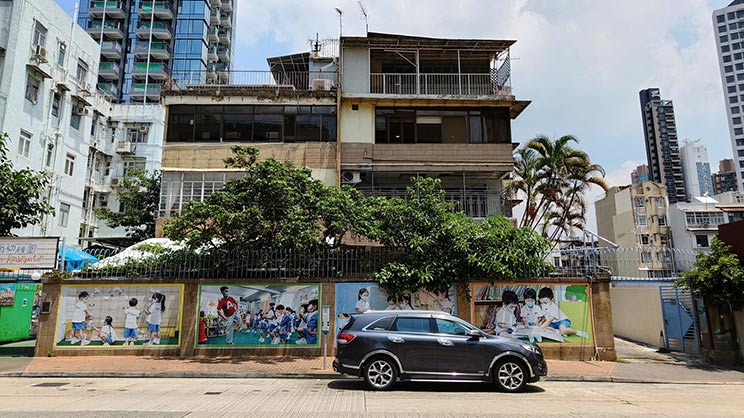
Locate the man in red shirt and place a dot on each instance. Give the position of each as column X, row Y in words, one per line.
column 227, row 308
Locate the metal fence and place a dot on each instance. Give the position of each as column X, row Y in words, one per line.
column 483, row 84
column 288, row 80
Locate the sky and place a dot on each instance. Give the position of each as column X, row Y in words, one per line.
column 580, row 62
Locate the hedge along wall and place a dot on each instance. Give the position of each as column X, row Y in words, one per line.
column 181, row 324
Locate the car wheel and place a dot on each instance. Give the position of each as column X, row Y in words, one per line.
column 380, row 373
column 510, row 375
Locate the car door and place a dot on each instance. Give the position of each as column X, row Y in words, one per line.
column 412, row 341
column 457, row 353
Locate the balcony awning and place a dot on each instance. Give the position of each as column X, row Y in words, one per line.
column 38, row 70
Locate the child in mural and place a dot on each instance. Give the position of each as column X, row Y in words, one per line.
column 404, row 302
column 391, row 304
column 155, row 309
column 506, row 318
column 202, row 328
column 130, row 323
column 276, row 332
column 553, row 316
column 256, row 322
column 362, row 304
column 107, row 333
column 285, row 325
column 443, row 302
column 301, row 324
column 311, row 332
column 531, row 313
column 79, row 315
column 227, row 308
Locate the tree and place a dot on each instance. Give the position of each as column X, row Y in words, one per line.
column 438, row 246
column 22, row 194
column 553, row 177
column 139, row 195
column 275, row 205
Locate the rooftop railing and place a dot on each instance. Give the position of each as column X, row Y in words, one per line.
column 303, row 81
column 484, row 84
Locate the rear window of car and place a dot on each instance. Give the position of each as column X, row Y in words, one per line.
column 349, row 324
column 382, row 324
column 407, row 324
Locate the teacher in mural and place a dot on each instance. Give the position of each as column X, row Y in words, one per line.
column 227, row 308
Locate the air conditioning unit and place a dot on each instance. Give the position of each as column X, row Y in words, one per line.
column 80, row 110
column 115, row 181
column 85, row 88
column 40, row 53
column 351, row 177
column 322, row 84
column 144, row 129
column 103, row 199
column 124, row 147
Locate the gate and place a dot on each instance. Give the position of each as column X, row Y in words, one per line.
column 680, row 322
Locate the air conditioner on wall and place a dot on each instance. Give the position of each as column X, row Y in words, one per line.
column 351, row 177
column 40, row 53
column 144, row 129
column 115, row 181
column 322, row 84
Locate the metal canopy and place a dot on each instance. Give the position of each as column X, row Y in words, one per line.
column 392, row 41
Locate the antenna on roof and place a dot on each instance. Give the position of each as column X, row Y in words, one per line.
column 340, row 22
column 316, row 46
column 366, row 17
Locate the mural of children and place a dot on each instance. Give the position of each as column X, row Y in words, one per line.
column 107, row 333
column 285, row 325
column 391, row 304
column 553, row 316
column 226, row 308
column 301, row 325
column 506, row 318
column 443, row 302
column 79, row 315
column 404, row 302
column 130, row 323
column 155, row 309
column 362, row 304
column 202, row 328
column 531, row 313
column 311, row 334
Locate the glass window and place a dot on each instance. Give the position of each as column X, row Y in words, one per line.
column 732, row 89
column 723, row 38
column 730, row 79
column 725, row 48
column 24, row 144
column 268, row 127
column 738, row 131
column 138, row 134
column 739, row 66
column 70, row 165
column 56, row 100
column 641, row 220
column 328, row 128
column 49, row 155
column 736, row 121
column 429, row 129
column 735, row 109
column 734, row 35
column 662, row 220
column 40, row 34
column 731, row 15
column 722, row 29
column 476, row 130
column 32, row 88
column 644, row 239
column 727, row 58
column 445, row 326
column 659, row 202
column 639, row 202
column 382, row 324
column 701, row 241
column 61, row 54
column 734, row 99
column 308, row 127
column 64, row 214
column 406, row 324
column 82, row 71
column 208, row 127
column 76, row 116
column 720, row 18
column 237, row 126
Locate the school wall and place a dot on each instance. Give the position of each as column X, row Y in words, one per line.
column 602, row 349
column 636, row 313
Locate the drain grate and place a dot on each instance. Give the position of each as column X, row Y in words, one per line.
column 213, row 393
column 49, row 385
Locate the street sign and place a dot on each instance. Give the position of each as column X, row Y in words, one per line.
column 28, row 253
column 325, row 318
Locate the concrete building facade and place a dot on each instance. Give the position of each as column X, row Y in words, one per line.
column 639, row 174
column 725, row 179
column 728, row 27
column 698, row 178
column 695, row 224
column 662, row 147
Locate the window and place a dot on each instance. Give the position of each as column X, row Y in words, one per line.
column 701, row 241
column 731, row 89
column 32, row 88
column 730, row 79
column 55, row 104
column 49, row 155
column 735, row 109
column 639, row 202
column 731, row 15
column 24, row 144
column 659, row 202
column 726, row 48
column 736, row 121
column 382, row 324
column 406, row 324
column 61, row 52
column 739, row 66
column 76, row 116
column 40, row 34
column 664, row 239
column 723, row 38
column 70, row 165
column 138, row 134
column 64, row 214
column 82, row 71
column 445, row 326
column 644, row 239
column 729, row 68
column 130, row 165
column 722, row 29
column 662, row 220
column 738, row 131
column 646, row 257
column 720, row 18
column 641, row 220
column 734, row 99
column 727, row 58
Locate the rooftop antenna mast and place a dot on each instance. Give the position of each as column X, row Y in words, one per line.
column 340, row 22
column 366, row 17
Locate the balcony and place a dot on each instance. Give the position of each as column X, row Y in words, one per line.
column 155, row 70
column 224, row 53
column 212, row 52
column 111, row 29
column 111, row 50
column 475, row 201
column 215, row 16
column 110, row 89
column 109, row 71
column 139, row 91
column 157, row 50
column 112, row 9
column 160, row 30
column 161, row 9
column 226, row 5
column 225, row 36
column 435, row 84
column 125, row 147
column 226, row 20
column 214, row 34
column 256, row 80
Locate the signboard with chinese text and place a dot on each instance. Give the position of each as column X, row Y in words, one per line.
column 28, row 253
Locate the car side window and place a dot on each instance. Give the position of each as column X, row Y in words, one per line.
column 382, row 324
column 408, row 324
column 450, row 327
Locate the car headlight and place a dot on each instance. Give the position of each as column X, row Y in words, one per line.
column 533, row 348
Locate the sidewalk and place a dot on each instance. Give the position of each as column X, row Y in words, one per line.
column 278, row 367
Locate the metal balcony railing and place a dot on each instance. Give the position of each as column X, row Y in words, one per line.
column 476, row 202
column 303, row 81
column 437, row 84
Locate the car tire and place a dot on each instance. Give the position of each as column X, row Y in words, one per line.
column 380, row 373
column 510, row 375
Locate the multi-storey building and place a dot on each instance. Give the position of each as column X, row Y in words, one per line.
column 435, row 107
column 639, row 174
column 662, row 148
column 145, row 44
column 696, row 165
column 728, row 24
column 635, row 216
column 725, row 179
column 48, row 104
column 695, row 224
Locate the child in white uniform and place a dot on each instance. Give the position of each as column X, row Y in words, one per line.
column 506, row 319
column 362, row 304
column 130, row 324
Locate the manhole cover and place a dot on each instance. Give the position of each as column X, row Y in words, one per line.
column 49, row 385
column 212, row 393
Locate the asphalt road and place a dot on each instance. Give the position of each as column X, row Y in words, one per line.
column 310, row 398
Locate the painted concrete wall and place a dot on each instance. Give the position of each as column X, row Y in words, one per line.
column 357, row 126
column 636, row 313
column 355, row 69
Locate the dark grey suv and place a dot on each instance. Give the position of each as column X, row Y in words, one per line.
column 386, row 346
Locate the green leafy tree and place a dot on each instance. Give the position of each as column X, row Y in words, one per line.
column 139, row 195
column 22, row 194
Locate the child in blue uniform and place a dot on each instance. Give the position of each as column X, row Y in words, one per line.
column 311, row 332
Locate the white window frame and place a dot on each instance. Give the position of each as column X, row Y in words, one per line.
column 40, row 34
column 64, row 214
column 662, row 220
column 24, row 144
column 641, row 217
column 82, row 71
column 33, row 86
column 70, row 164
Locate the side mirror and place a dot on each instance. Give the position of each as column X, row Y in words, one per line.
column 474, row 333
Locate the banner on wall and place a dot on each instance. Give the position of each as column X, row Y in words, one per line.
column 7, row 294
column 359, row 297
column 119, row 316
column 253, row 315
column 548, row 313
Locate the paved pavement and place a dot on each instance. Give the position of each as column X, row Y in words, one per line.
column 311, row 398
